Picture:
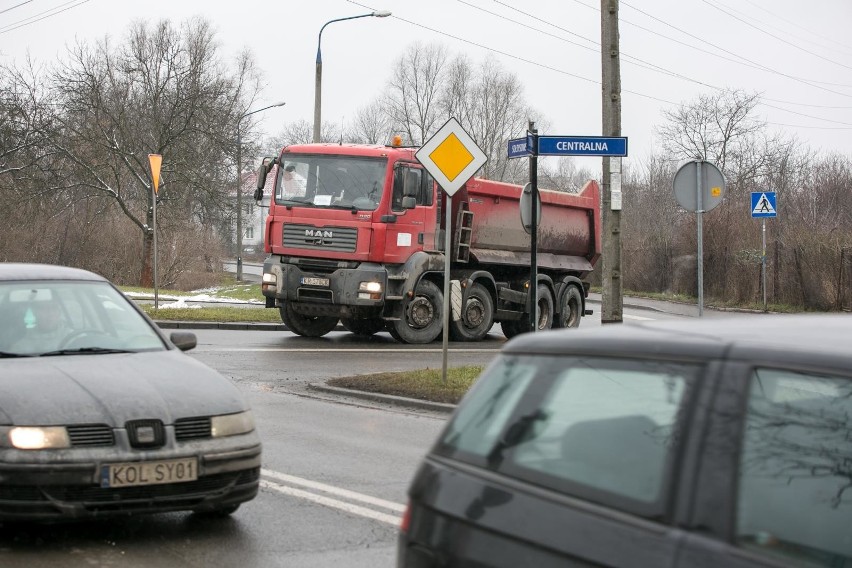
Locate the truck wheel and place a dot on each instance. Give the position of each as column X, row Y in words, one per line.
column 306, row 326
column 364, row 327
column 511, row 328
column 545, row 308
column 570, row 309
column 477, row 316
column 421, row 318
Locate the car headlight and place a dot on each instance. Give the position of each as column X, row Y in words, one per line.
column 232, row 424
column 35, row 437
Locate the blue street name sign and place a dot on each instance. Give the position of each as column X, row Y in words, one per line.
column 763, row 204
column 519, row 148
column 582, row 146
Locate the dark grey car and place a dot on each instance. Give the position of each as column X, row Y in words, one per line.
column 101, row 414
column 693, row 443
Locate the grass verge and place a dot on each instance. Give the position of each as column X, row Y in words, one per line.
column 423, row 384
column 216, row 314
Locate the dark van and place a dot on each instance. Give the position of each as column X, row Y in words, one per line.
column 699, row 443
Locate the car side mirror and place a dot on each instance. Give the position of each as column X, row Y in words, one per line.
column 184, row 340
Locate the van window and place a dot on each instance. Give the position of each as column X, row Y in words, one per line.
column 603, row 429
column 795, row 488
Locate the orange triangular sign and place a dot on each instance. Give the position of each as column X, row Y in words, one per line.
column 156, row 161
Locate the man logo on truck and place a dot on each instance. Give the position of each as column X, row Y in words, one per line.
column 318, row 236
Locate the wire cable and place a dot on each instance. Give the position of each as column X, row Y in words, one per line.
column 782, row 40
column 586, row 79
column 15, row 6
column 36, row 18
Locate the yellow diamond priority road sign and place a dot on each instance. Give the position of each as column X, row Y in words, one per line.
column 451, row 156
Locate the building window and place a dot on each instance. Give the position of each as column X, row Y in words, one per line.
column 249, row 232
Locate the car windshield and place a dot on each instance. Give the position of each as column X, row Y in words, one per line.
column 334, row 182
column 70, row 317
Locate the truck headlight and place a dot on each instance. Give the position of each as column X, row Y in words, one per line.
column 37, row 437
column 232, row 424
column 370, row 291
column 268, row 281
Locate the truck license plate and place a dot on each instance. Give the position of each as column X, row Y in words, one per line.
column 149, row 473
column 309, row 281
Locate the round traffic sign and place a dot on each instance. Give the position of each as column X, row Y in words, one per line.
column 526, row 209
column 685, row 186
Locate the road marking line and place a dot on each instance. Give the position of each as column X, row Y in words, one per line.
column 333, row 490
column 333, row 503
column 326, row 350
column 640, row 318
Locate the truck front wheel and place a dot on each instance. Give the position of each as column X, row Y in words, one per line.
column 421, row 316
column 306, row 326
column 570, row 309
column 364, row 327
column 477, row 316
column 511, row 328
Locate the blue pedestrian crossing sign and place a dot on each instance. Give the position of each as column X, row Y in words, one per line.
column 763, row 204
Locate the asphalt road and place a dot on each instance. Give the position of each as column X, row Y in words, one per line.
column 335, row 468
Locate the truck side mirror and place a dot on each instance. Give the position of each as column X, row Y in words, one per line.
column 263, row 170
column 411, row 184
column 258, row 194
column 409, row 203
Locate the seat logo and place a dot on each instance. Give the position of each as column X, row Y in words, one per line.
column 145, row 435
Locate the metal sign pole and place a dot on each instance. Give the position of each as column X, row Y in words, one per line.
column 156, row 294
column 448, row 240
column 763, row 265
column 700, row 223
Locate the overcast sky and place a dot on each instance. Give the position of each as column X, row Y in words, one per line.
column 797, row 54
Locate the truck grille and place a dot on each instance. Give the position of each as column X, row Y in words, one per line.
column 339, row 239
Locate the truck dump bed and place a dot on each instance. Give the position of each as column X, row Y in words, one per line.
column 566, row 237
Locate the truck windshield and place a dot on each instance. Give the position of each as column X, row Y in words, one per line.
column 335, row 182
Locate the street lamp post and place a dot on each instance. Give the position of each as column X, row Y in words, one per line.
column 240, row 189
column 318, row 83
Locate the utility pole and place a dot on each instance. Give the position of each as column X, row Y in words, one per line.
column 612, row 299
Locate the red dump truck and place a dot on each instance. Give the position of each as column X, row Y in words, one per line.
column 355, row 234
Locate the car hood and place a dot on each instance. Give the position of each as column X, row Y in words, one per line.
column 112, row 389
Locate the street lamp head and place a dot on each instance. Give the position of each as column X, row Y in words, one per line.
column 318, row 79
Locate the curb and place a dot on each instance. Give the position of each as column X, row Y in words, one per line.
column 171, row 324
column 387, row 398
column 240, row 326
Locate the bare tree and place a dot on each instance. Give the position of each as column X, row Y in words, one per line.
column 415, row 88
column 709, row 127
column 300, row 132
column 371, row 125
column 165, row 92
column 489, row 104
column 564, row 175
